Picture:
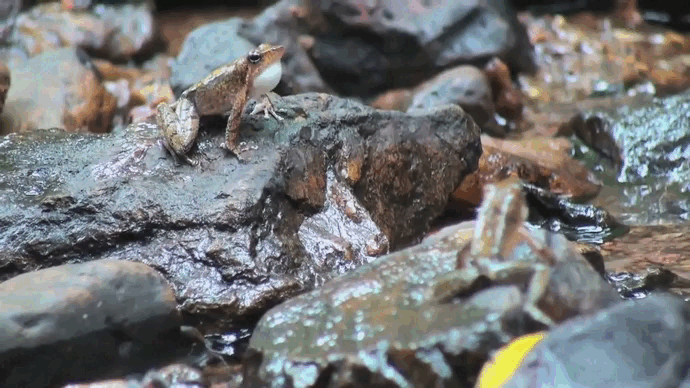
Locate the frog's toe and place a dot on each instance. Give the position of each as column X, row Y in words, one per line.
column 233, row 150
column 266, row 106
column 538, row 315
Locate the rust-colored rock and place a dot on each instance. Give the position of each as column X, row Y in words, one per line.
column 397, row 99
column 88, row 106
column 627, row 11
column 507, row 98
column 544, row 162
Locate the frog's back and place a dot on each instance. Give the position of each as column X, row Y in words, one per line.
column 216, row 93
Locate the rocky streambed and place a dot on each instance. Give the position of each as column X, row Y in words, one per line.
column 421, row 206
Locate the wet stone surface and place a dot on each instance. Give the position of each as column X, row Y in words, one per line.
column 383, row 324
column 622, row 336
column 104, row 318
column 236, row 238
column 579, row 222
column 648, row 179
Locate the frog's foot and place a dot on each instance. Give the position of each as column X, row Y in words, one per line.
column 267, row 107
column 234, row 149
column 175, row 155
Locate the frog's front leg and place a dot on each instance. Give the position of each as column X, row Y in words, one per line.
column 265, row 106
column 180, row 126
column 535, row 276
column 232, row 128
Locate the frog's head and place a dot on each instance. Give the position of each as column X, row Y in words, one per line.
column 264, row 63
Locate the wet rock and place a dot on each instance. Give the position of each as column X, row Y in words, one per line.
column 543, row 162
column 206, row 48
column 377, row 325
column 358, row 50
column 631, row 285
column 654, row 141
column 174, row 375
column 235, row 238
column 466, row 86
column 652, row 185
column 279, row 24
column 580, row 222
column 120, row 31
column 103, row 318
column 594, row 130
column 60, row 89
column 649, row 257
column 362, row 49
column 644, row 344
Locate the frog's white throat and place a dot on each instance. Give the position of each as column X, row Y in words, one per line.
column 267, row 80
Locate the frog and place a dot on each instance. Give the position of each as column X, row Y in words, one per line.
column 226, row 89
column 487, row 256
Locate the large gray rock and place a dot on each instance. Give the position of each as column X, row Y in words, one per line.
column 466, row 86
column 638, row 343
column 82, row 321
column 332, row 186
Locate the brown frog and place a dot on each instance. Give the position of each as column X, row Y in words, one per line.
column 226, row 90
column 491, row 250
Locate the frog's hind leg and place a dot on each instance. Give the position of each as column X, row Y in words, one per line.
column 180, row 127
column 536, row 289
column 176, row 157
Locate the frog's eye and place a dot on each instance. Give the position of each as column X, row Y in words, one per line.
column 254, row 57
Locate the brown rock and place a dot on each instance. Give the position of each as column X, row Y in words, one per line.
column 544, row 162
column 56, row 89
column 398, row 99
column 507, row 98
